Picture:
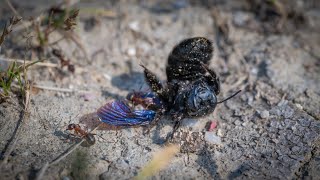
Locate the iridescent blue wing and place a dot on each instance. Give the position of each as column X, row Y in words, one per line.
column 118, row 113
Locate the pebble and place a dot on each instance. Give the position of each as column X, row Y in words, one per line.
column 275, row 141
column 264, row 114
column 212, row 138
column 131, row 52
column 275, row 111
column 282, row 103
column 237, row 123
column 250, row 100
column 245, row 124
column 220, row 133
column 212, row 126
column 304, row 122
column 254, row 71
column 25, row 153
column 299, row 106
column 100, row 139
column 274, row 124
column 134, row 25
column 288, row 112
column 107, row 76
column 295, row 149
column 294, row 128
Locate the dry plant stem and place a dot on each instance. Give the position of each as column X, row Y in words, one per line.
column 60, row 89
column 62, row 156
column 25, row 24
column 28, row 61
column 18, row 131
column 42, row 171
column 71, row 149
column 12, row 8
column 66, row 153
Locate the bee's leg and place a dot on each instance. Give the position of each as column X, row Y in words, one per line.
column 153, row 81
column 150, row 126
column 176, row 126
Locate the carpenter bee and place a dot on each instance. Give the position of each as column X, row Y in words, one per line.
column 190, row 91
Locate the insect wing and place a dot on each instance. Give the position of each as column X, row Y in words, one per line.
column 118, row 113
column 184, row 62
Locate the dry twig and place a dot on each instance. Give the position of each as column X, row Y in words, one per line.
column 8, row 28
column 18, row 130
column 30, row 62
column 60, row 89
column 62, row 156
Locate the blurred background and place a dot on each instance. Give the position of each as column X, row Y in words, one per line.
column 85, row 53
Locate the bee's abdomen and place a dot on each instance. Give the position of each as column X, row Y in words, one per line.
column 184, row 62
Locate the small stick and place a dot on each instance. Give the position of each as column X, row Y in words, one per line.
column 22, row 62
column 71, row 149
column 60, row 89
column 42, row 171
column 17, row 131
column 67, row 152
column 26, row 25
column 62, row 156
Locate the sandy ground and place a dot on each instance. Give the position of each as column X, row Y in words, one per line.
column 270, row 131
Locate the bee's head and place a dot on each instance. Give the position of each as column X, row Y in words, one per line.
column 201, row 100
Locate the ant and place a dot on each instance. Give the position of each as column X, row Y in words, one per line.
column 147, row 100
column 89, row 137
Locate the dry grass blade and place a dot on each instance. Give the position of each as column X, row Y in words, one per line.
column 60, row 89
column 15, row 72
column 70, row 22
column 8, row 28
column 34, row 62
column 159, row 161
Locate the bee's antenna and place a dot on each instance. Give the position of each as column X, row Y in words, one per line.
column 142, row 64
column 229, row 97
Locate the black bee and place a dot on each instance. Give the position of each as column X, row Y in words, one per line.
column 191, row 89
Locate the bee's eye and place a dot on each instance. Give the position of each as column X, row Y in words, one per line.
column 202, row 91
